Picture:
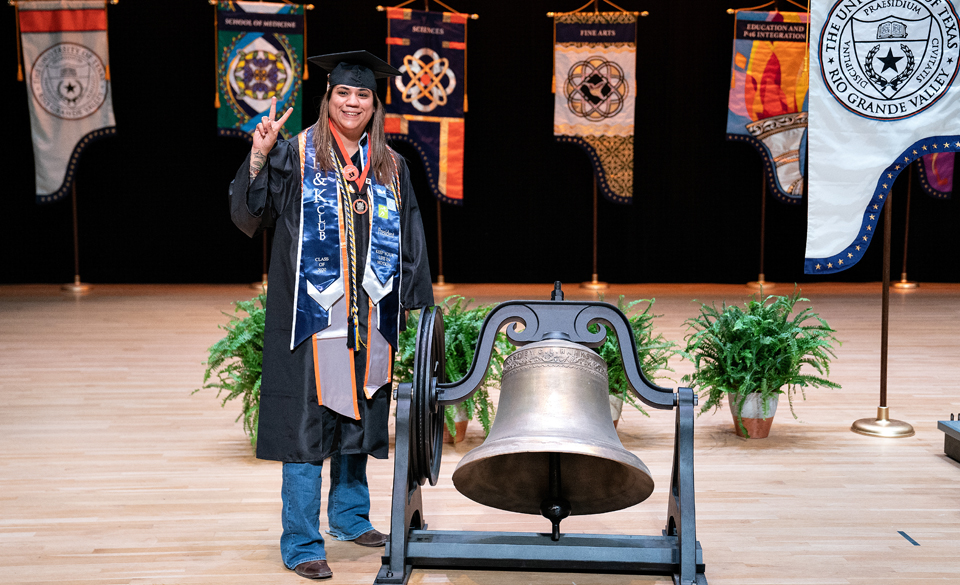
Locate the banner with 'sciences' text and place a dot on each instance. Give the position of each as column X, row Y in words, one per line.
column 426, row 103
column 259, row 57
column 68, row 86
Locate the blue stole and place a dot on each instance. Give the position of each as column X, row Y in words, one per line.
column 321, row 280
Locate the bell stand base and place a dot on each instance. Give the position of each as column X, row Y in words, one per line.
column 411, row 545
column 761, row 284
column 594, row 284
column 882, row 426
column 76, row 287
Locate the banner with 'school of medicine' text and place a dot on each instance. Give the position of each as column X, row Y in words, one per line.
column 259, row 57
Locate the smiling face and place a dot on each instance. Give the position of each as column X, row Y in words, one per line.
column 350, row 110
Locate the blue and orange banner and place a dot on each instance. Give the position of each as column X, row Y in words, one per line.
column 767, row 106
column 595, row 89
column 259, row 57
column 426, row 103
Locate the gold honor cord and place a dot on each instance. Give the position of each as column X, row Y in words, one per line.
column 346, row 210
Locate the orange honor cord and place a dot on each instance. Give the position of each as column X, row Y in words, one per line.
column 346, row 161
column 316, row 371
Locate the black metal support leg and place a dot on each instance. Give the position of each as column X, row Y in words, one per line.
column 681, row 509
column 407, row 509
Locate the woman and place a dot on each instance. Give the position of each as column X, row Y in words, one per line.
column 348, row 259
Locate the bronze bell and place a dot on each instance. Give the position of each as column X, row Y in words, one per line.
column 553, row 449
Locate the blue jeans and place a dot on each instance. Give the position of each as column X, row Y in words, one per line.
column 348, row 506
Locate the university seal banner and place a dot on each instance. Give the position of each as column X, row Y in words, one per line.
column 259, row 57
column 883, row 93
column 68, row 86
column 425, row 104
column 595, row 89
column 768, row 95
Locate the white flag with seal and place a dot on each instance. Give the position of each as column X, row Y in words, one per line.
column 883, row 93
column 68, row 86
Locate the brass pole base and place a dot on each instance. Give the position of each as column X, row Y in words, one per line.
column 594, row 284
column 261, row 286
column 882, row 426
column 905, row 284
column 442, row 286
column 760, row 283
column 76, row 287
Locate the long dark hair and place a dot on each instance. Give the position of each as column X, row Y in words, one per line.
column 381, row 155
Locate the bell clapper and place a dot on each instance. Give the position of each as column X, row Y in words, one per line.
column 555, row 507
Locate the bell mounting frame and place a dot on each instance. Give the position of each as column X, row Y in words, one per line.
column 419, row 421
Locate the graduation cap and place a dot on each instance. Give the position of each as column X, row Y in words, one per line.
column 354, row 68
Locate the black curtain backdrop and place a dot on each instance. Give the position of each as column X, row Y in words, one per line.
column 153, row 207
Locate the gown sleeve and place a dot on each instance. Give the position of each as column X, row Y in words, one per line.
column 417, row 291
column 255, row 206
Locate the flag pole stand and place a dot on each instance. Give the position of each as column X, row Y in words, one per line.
column 262, row 285
column 441, row 286
column 760, row 283
column 904, row 283
column 883, row 425
column 75, row 287
column 594, row 283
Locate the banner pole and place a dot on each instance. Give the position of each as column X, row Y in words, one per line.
column 905, row 284
column 760, row 283
column 441, row 285
column 883, row 425
column 594, row 283
column 76, row 286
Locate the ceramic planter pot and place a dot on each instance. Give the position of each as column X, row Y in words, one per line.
column 757, row 416
column 460, row 419
column 616, row 408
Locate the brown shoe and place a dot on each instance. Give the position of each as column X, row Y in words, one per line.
column 371, row 538
column 314, row 570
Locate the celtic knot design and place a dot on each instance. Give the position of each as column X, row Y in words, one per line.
column 595, row 89
column 428, row 80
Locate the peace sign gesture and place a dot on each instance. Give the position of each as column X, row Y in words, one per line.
column 265, row 136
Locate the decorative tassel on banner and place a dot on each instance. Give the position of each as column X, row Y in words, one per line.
column 16, row 15
column 306, row 74
column 216, row 57
column 106, row 73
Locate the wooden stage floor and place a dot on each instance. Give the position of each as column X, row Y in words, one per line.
column 112, row 472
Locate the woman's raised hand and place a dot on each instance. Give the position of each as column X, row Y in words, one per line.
column 264, row 137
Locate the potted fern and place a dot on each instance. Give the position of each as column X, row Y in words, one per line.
column 236, row 362
column 754, row 354
column 653, row 351
column 461, row 329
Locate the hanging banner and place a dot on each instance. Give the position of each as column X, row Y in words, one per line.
column 883, row 93
column 68, row 86
column 768, row 95
column 595, row 88
column 260, row 56
column 936, row 174
column 426, row 103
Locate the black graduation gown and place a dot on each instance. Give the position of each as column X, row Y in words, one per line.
column 293, row 427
